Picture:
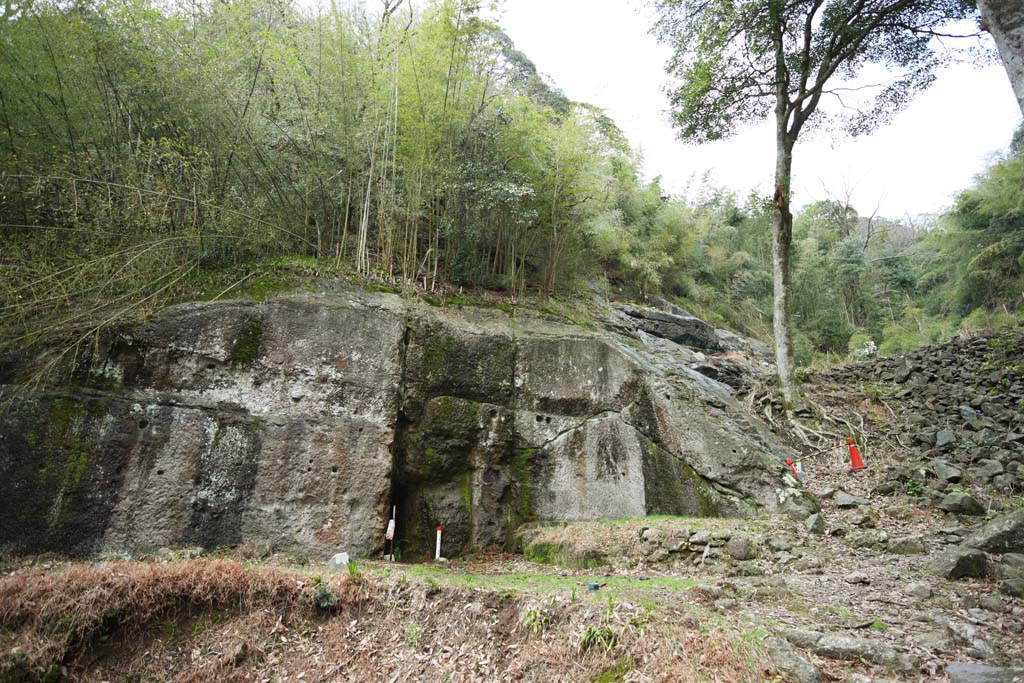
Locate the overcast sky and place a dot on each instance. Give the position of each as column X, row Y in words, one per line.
column 599, row 51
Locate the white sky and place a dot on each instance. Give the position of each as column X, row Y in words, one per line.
column 599, row 51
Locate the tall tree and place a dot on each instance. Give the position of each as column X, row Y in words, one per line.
column 738, row 60
column 1004, row 19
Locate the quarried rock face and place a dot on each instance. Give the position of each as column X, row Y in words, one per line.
column 213, row 424
column 302, row 420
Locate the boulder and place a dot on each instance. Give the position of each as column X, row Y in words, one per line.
column 786, row 658
column 961, row 563
column 970, row 672
column 1004, row 534
column 680, row 328
column 946, row 472
column 842, row 499
column 986, row 469
column 1013, row 587
column 741, row 548
column 846, row 648
column 960, row 503
column 908, row 545
column 918, row 590
column 815, row 524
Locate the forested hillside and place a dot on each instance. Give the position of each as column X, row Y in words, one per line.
column 153, row 152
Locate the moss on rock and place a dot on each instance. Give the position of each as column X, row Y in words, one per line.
column 247, row 348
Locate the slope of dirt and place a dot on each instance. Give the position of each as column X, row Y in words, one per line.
column 490, row 622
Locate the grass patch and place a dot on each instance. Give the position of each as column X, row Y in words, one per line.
column 616, row 672
column 535, row 582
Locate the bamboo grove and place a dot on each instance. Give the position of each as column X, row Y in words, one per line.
column 157, row 152
column 143, row 144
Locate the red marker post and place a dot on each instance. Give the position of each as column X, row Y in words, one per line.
column 437, row 552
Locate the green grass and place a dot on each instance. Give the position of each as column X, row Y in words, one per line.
column 533, row 582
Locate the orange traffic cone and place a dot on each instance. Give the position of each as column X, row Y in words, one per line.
column 856, row 464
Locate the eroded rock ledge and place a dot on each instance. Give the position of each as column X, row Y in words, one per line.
column 300, row 422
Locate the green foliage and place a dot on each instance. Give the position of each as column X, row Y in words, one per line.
column 616, row 672
column 423, row 149
column 217, row 150
column 323, row 597
column 412, row 633
column 914, row 488
column 536, row 620
column 597, row 637
column 728, row 58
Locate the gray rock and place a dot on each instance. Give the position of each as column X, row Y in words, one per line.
column 993, row 603
column 934, row 640
column 786, row 658
column 918, row 590
column 682, row 329
column 968, row 635
column 961, row 563
column 289, row 421
column 1015, row 560
column 899, row 511
column 886, row 488
column 960, row 503
column 842, row 499
column 659, row 555
column 815, row 524
column 969, row 672
column 700, row 538
column 1004, row 482
column 862, row 519
column 968, row 413
column 986, row 469
column 801, row 637
column 908, row 545
column 1004, row 534
column 858, row 578
column 944, row 439
column 741, row 548
column 809, row 564
column 844, row 647
column 871, row 538
column 946, row 472
column 797, row 503
column 1013, row 587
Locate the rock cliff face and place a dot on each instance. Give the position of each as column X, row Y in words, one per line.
column 300, row 422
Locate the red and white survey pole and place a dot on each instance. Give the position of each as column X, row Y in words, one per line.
column 437, row 551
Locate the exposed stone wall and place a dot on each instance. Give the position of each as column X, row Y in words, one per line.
column 300, row 421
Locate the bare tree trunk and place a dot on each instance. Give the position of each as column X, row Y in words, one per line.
column 782, row 238
column 1004, row 19
column 782, row 218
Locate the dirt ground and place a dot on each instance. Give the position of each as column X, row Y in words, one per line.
column 677, row 599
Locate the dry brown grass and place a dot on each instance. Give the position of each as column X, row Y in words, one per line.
column 215, row 620
column 52, row 616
